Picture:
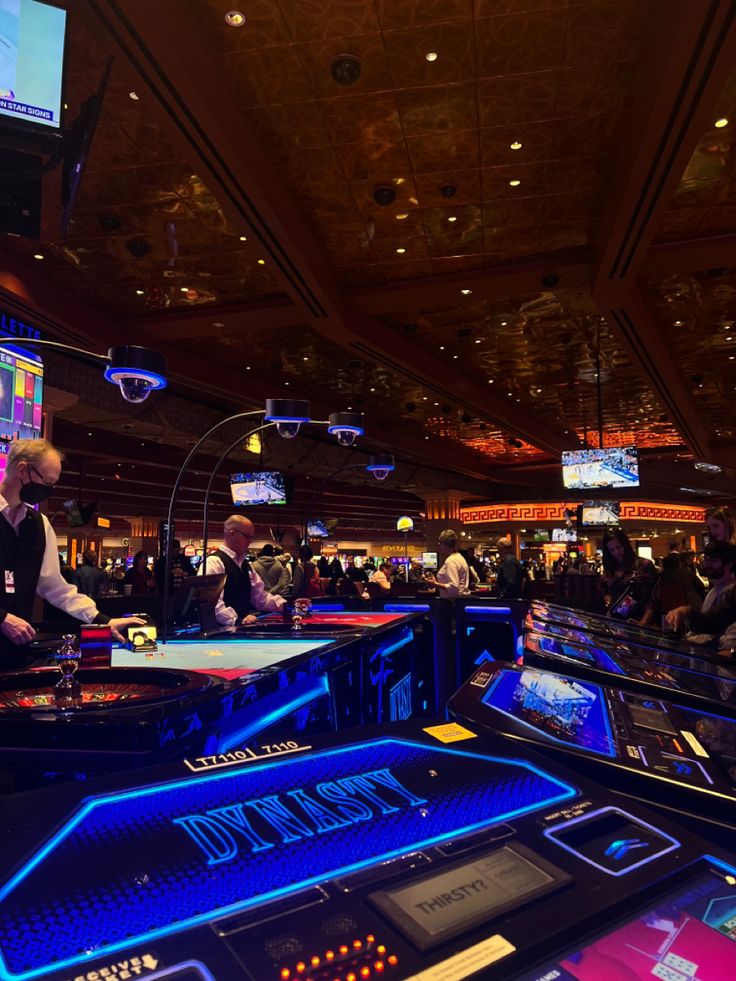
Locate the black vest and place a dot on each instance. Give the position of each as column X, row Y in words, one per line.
column 22, row 554
column 237, row 585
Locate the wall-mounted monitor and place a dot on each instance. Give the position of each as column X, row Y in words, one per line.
column 616, row 466
column 595, row 514
column 541, row 534
column 564, row 535
column 31, row 63
column 317, row 529
column 21, row 398
column 265, row 487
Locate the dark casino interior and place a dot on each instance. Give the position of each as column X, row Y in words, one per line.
column 367, row 490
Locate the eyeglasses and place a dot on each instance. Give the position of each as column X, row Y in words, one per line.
column 44, row 480
column 236, row 531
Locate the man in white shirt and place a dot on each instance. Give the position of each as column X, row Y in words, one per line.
column 29, row 553
column 452, row 579
column 244, row 589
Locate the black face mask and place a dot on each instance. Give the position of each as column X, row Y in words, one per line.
column 35, row 493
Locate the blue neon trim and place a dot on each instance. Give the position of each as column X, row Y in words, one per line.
column 567, row 792
column 570, row 744
column 329, row 608
column 298, row 419
column 489, row 611
column 731, row 869
column 113, row 374
column 675, row 844
column 347, row 429
column 402, row 607
column 407, row 638
column 322, row 687
column 166, row 972
column 372, row 467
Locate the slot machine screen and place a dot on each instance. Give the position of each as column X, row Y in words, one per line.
column 21, row 398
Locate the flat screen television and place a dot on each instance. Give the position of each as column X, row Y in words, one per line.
column 31, row 63
column 21, row 398
column 265, row 487
column 598, row 513
column 564, row 535
column 616, row 466
column 317, row 529
column 541, row 534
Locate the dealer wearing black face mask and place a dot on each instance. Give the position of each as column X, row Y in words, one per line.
column 29, row 557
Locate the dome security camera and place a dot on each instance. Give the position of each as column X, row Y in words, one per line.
column 136, row 370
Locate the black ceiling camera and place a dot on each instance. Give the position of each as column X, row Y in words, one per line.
column 550, row 281
column 448, row 190
column 345, row 69
column 384, row 195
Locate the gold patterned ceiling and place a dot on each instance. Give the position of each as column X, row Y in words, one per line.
column 498, row 221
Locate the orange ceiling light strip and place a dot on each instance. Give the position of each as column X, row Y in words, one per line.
column 555, row 511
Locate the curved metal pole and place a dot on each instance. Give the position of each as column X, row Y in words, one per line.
column 172, row 504
column 205, row 516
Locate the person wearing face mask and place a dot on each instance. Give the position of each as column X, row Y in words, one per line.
column 715, row 624
column 29, row 554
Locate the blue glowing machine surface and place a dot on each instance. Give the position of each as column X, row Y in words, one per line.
column 661, row 674
column 403, row 847
column 669, row 754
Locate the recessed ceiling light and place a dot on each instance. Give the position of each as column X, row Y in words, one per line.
column 677, row 323
column 442, row 347
column 515, row 145
column 37, row 255
column 425, row 398
column 134, row 96
column 504, row 323
column 183, row 289
column 234, row 18
column 140, row 292
column 218, row 323
column 89, row 434
column 247, row 367
column 452, row 218
column 455, row 357
column 431, row 56
column 729, row 338
column 490, row 381
column 436, row 403
column 466, row 292
column 514, row 183
column 477, row 340
column 732, row 357
column 305, row 358
column 287, row 384
column 404, row 214
column 720, row 123
column 373, row 390
column 243, row 238
column 261, row 262
column 401, row 251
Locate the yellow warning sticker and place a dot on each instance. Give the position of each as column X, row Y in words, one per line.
column 468, row 961
column 450, row 732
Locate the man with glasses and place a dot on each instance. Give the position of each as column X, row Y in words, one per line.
column 244, row 589
column 29, row 554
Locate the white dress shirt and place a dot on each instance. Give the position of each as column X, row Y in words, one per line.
column 260, row 598
column 454, row 572
column 51, row 584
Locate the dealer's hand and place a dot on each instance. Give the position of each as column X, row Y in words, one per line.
column 17, row 630
column 251, row 618
column 121, row 623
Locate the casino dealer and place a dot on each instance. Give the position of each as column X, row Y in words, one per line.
column 29, row 556
column 244, row 589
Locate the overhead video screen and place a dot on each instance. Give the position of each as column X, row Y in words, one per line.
column 21, row 397
column 597, row 513
column 31, row 61
column 616, row 466
column 266, row 487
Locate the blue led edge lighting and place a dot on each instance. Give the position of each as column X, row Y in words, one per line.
column 489, row 611
column 298, row 419
column 673, row 846
column 328, row 607
column 114, row 374
column 611, row 752
column 405, row 639
column 348, row 429
column 731, row 869
column 404, row 607
column 321, row 687
column 567, row 791
column 203, row 973
column 377, row 466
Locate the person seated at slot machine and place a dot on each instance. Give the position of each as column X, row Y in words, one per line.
column 244, row 589
column 29, row 555
column 715, row 622
column 452, row 579
column 382, row 577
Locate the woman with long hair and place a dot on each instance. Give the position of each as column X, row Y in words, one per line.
column 721, row 525
column 628, row 580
